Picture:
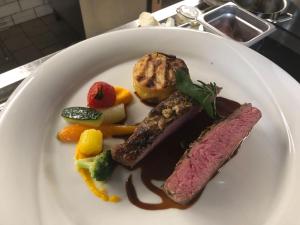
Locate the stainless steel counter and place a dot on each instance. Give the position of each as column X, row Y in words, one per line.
column 11, row 79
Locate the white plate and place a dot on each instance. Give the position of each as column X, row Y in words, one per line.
column 259, row 186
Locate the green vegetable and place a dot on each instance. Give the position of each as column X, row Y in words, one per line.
column 100, row 94
column 82, row 115
column 204, row 94
column 99, row 166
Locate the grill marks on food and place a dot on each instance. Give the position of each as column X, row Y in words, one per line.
column 154, row 76
column 156, row 70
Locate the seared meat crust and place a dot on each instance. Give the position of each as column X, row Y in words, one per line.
column 146, row 135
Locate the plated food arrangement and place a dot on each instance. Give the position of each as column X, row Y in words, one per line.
column 183, row 141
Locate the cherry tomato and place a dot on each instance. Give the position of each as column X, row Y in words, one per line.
column 101, row 95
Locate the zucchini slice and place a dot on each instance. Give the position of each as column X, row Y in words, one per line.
column 82, row 115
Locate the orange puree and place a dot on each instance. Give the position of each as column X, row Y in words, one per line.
column 100, row 193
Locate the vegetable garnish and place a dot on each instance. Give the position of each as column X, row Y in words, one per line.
column 101, row 95
column 110, row 130
column 122, row 95
column 100, row 166
column 99, row 192
column 114, row 114
column 82, row 115
column 90, row 142
column 71, row 132
column 204, row 94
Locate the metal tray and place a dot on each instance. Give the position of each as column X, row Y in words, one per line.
column 229, row 20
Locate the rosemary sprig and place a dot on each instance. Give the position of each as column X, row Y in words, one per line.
column 204, row 94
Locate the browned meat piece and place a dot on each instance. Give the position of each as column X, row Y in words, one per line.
column 208, row 153
column 162, row 120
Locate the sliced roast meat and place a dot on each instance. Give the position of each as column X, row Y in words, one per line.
column 161, row 121
column 208, row 153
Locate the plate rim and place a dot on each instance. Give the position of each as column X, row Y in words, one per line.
column 283, row 76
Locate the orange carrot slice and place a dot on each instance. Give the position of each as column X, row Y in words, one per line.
column 71, row 133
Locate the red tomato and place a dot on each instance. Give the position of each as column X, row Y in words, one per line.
column 101, row 95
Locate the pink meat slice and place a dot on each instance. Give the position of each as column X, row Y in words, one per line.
column 208, row 153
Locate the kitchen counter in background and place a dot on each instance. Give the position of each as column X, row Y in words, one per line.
column 101, row 16
column 283, row 56
column 93, row 17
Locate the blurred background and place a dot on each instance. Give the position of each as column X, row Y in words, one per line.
column 31, row 29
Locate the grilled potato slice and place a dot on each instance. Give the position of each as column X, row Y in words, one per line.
column 154, row 76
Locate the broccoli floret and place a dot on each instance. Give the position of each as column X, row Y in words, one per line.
column 100, row 166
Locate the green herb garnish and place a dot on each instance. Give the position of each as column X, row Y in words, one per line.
column 204, row 94
column 99, row 94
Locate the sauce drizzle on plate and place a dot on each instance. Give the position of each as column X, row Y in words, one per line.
column 161, row 162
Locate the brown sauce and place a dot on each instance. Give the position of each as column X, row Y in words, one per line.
column 165, row 203
column 161, row 162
